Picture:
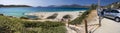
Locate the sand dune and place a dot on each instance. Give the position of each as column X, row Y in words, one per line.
column 44, row 15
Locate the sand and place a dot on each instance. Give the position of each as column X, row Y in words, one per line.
column 44, row 15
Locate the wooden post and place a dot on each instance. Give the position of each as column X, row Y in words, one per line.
column 86, row 29
column 100, row 19
column 68, row 22
column 99, row 16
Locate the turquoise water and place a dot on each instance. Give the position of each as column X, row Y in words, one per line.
column 20, row 11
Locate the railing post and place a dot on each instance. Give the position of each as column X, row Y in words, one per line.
column 100, row 19
column 86, row 29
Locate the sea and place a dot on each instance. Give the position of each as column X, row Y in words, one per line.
column 20, row 11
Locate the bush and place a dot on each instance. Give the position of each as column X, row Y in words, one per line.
column 60, row 29
column 67, row 16
column 46, row 27
column 52, row 16
column 14, row 25
column 46, row 24
column 24, row 18
column 1, row 15
column 49, row 24
column 8, row 25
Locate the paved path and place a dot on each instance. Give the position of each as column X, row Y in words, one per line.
column 109, row 26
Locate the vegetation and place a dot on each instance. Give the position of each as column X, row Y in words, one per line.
column 46, row 24
column 60, row 29
column 52, row 16
column 14, row 5
column 31, row 17
column 24, row 18
column 115, row 5
column 74, row 6
column 1, row 14
column 8, row 25
column 67, row 16
column 46, row 27
column 14, row 25
column 79, row 19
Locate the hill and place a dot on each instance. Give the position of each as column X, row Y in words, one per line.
column 69, row 6
column 114, row 5
column 14, row 6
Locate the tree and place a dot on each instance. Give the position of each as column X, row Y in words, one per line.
column 93, row 6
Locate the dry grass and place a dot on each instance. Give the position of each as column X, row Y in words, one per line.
column 92, row 15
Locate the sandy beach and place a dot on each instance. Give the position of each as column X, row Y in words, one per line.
column 60, row 15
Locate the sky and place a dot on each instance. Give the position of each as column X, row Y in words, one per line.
column 54, row 2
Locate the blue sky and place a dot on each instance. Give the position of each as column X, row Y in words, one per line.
column 54, row 2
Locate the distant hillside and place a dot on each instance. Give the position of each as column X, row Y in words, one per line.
column 114, row 5
column 15, row 6
column 75, row 6
column 69, row 6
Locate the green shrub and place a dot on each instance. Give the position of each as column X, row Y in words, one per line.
column 49, row 24
column 60, row 29
column 15, row 25
column 52, row 16
column 67, row 16
column 43, row 24
column 9, row 25
column 46, row 27
column 1, row 15
column 24, row 18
